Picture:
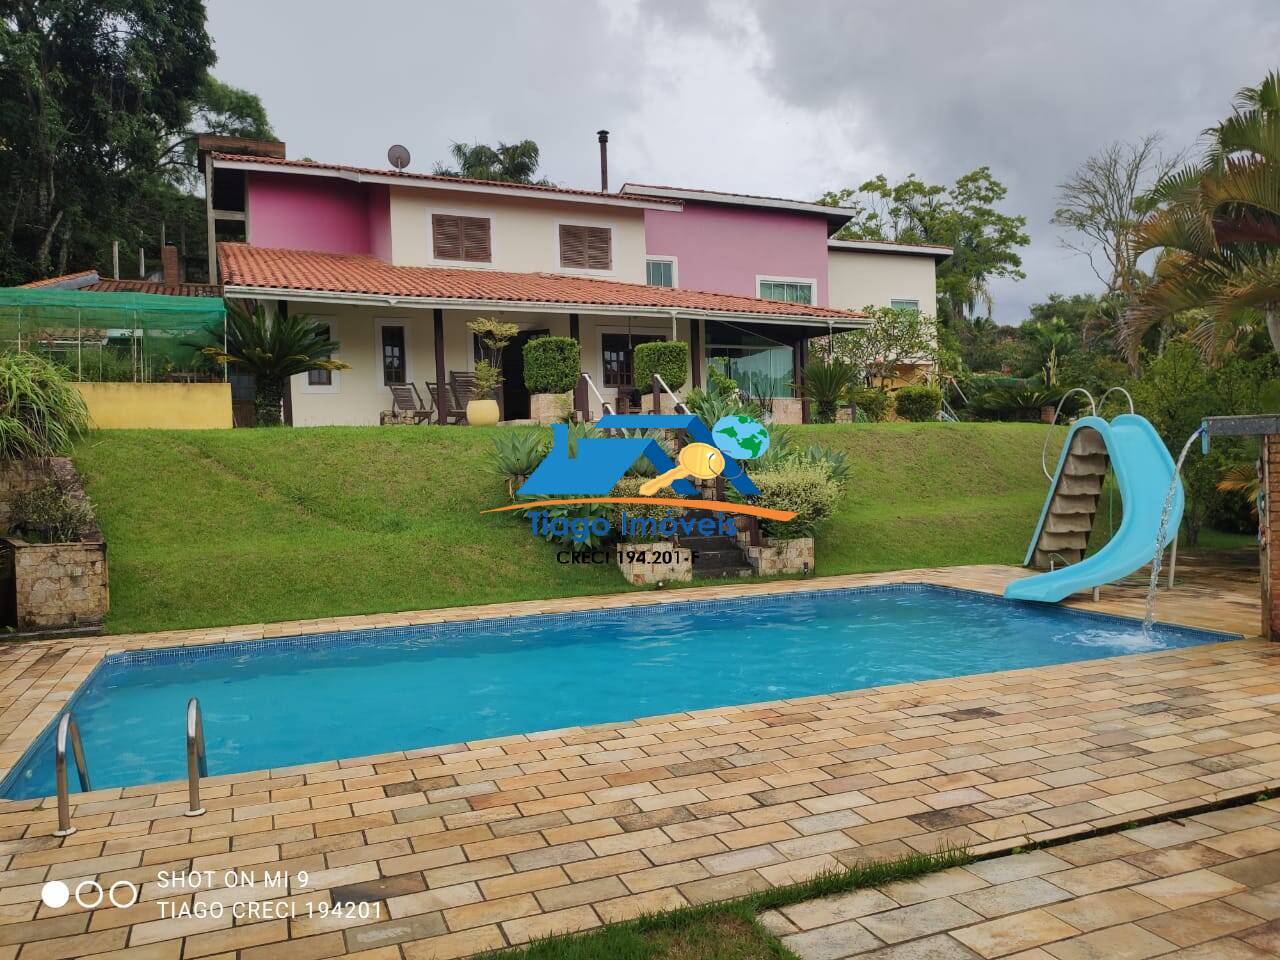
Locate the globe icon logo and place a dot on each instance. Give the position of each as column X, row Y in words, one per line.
column 741, row 437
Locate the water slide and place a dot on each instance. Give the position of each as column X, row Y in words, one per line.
column 1143, row 471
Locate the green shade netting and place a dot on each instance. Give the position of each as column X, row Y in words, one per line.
column 115, row 336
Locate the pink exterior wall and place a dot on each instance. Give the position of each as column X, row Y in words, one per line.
column 314, row 213
column 379, row 219
column 723, row 249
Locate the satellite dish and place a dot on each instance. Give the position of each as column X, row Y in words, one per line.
column 398, row 156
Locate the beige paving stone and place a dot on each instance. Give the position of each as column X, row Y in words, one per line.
column 1247, row 842
column 939, row 947
column 944, row 883
column 1020, row 931
column 1185, row 889
column 833, row 942
column 830, row 910
column 1109, row 908
column 547, row 924
column 919, row 920
column 1017, row 866
column 1098, row 876
column 1203, row 921
column 451, row 945
column 1012, row 897
column 1123, row 942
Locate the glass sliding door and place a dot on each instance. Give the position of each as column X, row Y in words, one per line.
column 762, row 367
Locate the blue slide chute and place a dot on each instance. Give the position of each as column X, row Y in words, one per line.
column 1143, row 471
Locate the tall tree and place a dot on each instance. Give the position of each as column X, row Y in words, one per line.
column 1217, row 228
column 97, row 98
column 1102, row 202
column 506, row 163
column 963, row 216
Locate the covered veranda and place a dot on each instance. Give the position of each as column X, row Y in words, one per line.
column 408, row 325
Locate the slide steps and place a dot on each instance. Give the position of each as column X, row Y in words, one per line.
column 1073, row 506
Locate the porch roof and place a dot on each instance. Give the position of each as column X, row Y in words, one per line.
column 249, row 271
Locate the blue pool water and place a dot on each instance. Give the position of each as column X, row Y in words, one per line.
column 274, row 703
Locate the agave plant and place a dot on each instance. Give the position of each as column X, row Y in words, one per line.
column 516, row 454
column 1217, row 225
column 273, row 349
column 710, row 405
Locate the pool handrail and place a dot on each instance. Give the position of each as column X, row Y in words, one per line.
column 1110, row 390
column 1044, row 447
column 197, row 761
column 68, row 730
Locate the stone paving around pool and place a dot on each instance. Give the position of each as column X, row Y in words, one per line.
column 1202, row 888
column 491, row 843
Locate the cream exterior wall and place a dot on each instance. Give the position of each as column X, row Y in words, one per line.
column 856, row 279
column 525, row 236
column 358, row 396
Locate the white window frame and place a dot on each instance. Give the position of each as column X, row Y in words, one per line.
column 434, row 261
column 894, row 301
column 811, row 281
column 378, row 324
column 675, row 269
column 586, row 221
column 335, row 376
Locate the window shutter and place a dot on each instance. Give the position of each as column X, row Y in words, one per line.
column 475, row 239
column 446, row 237
column 573, row 246
column 599, row 255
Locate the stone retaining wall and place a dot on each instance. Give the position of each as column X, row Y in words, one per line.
column 58, row 586
column 774, row 557
column 653, row 563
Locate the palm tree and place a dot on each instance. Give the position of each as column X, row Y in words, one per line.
column 508, row 163
column 274, row 349
column 1217, row 226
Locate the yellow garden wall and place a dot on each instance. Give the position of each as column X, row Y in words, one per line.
column 171, row 406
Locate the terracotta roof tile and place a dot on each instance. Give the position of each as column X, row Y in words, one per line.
column 247, row 266
column 59, row 280
column 154, row 286
column 429, row 177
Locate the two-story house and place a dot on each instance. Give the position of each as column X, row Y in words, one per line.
column 396, row 263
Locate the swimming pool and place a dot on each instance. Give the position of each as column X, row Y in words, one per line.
column 275, row 703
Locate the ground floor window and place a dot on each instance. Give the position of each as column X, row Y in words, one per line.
column 905, row 304
column 321, row 378
column 393, row 365
column 618, row 356
column 761, row 367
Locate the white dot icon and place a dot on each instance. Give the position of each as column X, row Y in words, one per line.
column 55, row 894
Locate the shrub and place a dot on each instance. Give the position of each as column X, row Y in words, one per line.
column 805, row 488
column 578, row 527
column 50, row 514
column 40, row 412
column 630, row 487
column 552, row 364
column 918, row 403
column 667, row 358
column 827, row 384
column 516, row 454
column 710, row 405
column 875, row 403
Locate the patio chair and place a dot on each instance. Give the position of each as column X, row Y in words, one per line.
column 456, row 414
column 462, row 388
column 405, row 399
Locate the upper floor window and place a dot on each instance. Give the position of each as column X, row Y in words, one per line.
column 788, row 291
column 586, row 248
column 905, row 305
column 660, row 273
column 456, row 237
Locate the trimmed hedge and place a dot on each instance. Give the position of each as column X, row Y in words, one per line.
column 918, row 403
column 877, row 404
column 552, row 364
column 667, row 358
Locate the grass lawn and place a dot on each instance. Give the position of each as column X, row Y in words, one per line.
column 226, row 527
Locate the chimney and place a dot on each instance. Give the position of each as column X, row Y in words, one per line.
column 169, row 263
column 603, row 136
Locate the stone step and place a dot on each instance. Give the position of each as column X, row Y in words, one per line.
column 1088, row 486
column 1061, row 542
column 1068, row 522
column 1082, row 465
column 1088, row 442
column 721, row 573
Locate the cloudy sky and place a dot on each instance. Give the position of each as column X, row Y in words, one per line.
column 761, row 96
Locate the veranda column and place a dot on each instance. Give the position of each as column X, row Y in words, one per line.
column 695, row 352
column 442, row 385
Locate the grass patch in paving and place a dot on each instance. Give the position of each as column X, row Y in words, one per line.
column 728, row 930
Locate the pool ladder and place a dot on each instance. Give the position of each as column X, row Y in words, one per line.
column 69, row 735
